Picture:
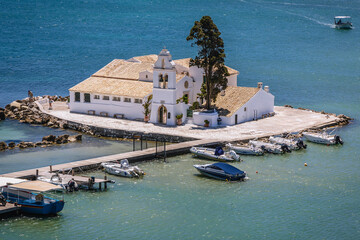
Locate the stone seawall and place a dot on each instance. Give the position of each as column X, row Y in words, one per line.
column 286, row 119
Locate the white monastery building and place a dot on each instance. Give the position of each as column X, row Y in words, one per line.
column 120, row 89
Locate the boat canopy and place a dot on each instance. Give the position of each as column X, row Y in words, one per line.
column 342, row 17
column 227, row 168
column 4, row 181
column 35, row 186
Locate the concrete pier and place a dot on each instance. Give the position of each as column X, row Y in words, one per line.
column 147, row 154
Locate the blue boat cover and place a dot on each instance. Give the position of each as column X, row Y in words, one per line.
column 219, row 151
column 228, row 168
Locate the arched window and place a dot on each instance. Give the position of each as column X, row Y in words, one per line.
column 169, row 115
column 166, row 80
column 161, row 80
column 162, row 63
column 186, row 84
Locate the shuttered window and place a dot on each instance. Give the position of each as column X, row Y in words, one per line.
column 77, row 97
column 86, row 97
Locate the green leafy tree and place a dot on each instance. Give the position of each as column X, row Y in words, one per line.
column 206, row 36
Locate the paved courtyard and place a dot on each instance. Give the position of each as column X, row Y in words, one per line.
column 285, row 120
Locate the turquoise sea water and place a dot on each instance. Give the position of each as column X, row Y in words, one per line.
column 49, row 46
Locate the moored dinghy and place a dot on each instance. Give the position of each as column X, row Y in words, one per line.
column 123, row 169
column 246, row 150
column 222, row 171
column 215, row 154
column 323, row 138
column 270, row 147
column 292, row 144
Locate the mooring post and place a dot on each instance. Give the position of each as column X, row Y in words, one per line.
column 146, row 145
column 164, row 150
column 133, row 143
column 37, row 173
column 72, row 172
column 50, row 168
column 141, row 140
column 105, row 184
column 99, row 185
column 155, row 147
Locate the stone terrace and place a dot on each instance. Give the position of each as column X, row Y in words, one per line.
column 285, row 120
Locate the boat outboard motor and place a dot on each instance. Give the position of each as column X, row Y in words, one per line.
column 338, row 140
column 301, row 144
column 285, row 148
column 262, row 147
column 219, row 151
column 2, row 200
column 234, row 155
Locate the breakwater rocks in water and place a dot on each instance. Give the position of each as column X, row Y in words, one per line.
column 46, row 141
column 342, row 119
column 27, row 111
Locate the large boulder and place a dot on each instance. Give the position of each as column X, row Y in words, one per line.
column 62, row 139
column 2, row 115
column 78, row 137
column 3, row 146
column 14, row 105
column 11, row 145
column 49, row 138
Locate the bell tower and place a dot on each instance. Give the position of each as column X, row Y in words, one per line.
column 164, row 90
column 164, row 71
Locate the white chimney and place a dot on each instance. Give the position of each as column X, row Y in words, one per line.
column 260, row 84
column 267, row 89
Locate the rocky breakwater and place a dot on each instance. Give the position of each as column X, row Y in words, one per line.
column 46, row 141
column 26, row 111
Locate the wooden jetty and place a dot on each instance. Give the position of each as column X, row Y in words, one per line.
column 147, row 154
column 8, row 209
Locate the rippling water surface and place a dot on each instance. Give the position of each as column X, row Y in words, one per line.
column 292, row 46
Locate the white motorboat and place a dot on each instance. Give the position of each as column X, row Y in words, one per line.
column 292, row 144
column 322, row 138
column 66, row 183
column 123, row 169
column 246, row 150
column 343, row 22
column 215, row 154
column 270, row 147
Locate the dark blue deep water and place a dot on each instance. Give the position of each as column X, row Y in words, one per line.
column 292, row 46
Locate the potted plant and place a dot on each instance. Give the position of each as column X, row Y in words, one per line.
column 179, row 119
column 206, row 123
column 147, row 109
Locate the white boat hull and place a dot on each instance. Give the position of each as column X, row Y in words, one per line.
column 344, row 26
column 209, row 153
column 119, row 170
column 246, row 150
column 322, row 138
column 268, row 147
column 290, row 143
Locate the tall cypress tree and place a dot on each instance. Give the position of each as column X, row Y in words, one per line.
column 206, row 36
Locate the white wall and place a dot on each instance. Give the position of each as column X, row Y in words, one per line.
column 232, row 80
column 130, row 110
column 164, row 95
column 200, row 117
column 262, row 102
column 171, row 108
column 180, row 88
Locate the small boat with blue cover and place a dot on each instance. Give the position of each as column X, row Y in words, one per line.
column 216, row 154
column 221, row 171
